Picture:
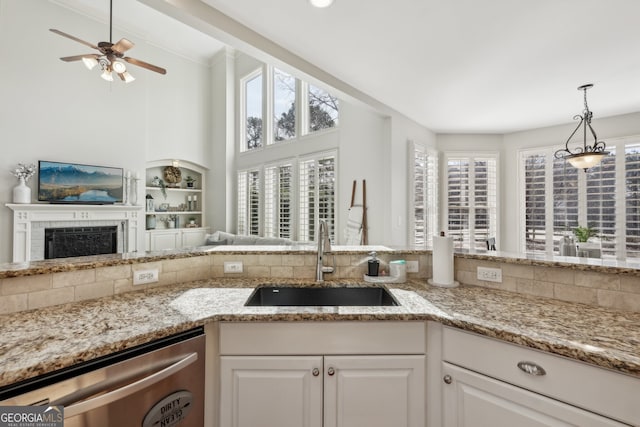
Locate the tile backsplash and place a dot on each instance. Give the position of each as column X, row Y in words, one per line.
column 605, row 289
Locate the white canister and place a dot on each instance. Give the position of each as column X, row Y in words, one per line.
column 398, row 270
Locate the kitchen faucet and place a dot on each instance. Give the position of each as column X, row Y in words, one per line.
column 324, row 246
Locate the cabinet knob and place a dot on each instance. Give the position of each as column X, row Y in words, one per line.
column 447, row 379
column 315, row 372
column 331, row 371
column 531, row 368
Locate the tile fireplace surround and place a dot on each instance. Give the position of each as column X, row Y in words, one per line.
column 30, row 220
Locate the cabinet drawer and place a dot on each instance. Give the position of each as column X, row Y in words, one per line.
column 596, row 389
column 300, row 338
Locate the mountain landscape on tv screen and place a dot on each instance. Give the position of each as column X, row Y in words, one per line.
column 68, row 183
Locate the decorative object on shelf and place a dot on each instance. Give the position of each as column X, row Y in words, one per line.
column 149, row 200
column 190, row 181
column 587, row 156
column 132, row 188
column 157, row 182
column 172, row 176
column 151, row 222
column 111, row 55
column 21, row 192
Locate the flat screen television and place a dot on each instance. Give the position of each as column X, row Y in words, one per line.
column 80, row 184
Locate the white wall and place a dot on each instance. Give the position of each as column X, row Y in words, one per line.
column 53, row 110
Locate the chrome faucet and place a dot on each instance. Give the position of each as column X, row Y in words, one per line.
column 324, row 246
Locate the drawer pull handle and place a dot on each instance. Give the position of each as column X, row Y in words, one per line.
column 532, row 368
column 447, row 379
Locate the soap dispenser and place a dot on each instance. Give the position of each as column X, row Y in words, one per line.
column 373, row 265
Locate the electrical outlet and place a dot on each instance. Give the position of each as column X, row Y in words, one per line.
column 145, row 276
column 490, row 274
column 413, row 266
column 233, row 267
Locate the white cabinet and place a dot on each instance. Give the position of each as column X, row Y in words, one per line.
column 335, row 388
column 487, row 382
column 271, row 391
column 471, row 399
column 175, row 211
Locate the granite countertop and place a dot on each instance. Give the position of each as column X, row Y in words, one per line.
column 41, row 341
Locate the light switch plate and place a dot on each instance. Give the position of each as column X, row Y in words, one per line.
column 232, row 267
column 413, row 266
column 141, row 277
column 490, row 274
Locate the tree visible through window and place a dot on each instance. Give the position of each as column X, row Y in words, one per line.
column 323, row 109
column 284, row 106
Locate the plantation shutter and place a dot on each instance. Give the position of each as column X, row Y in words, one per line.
column 317, row 183
column 535, row 202
column 242, row 202
column 632, row 201
column 423, row 176
column 458, row 200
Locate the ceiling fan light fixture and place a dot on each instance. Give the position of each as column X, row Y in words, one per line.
column 321, row 3
column 106, row 74
column 126, row 77
column 90, row 62
column 118, row 67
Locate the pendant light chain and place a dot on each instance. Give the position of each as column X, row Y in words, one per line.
column 111, row 30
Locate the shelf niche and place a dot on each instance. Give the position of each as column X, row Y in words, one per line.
column 168, row 221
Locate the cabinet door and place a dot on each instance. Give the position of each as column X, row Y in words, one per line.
column 279, row 391
column 164, row 240
column 374, row 391
column 192, row 238
column 475, row 400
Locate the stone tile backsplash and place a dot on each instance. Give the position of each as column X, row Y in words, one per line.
column 32, row 292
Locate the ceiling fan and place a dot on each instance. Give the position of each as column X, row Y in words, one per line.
column 111, row 55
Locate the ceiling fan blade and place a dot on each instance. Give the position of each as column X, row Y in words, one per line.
column 69, row 36
column 122, row 46
column 145, row 65
column 79, row 57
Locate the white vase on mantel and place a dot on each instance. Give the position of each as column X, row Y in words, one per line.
column 21, row 192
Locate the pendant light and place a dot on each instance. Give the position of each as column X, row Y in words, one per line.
column 587, row 156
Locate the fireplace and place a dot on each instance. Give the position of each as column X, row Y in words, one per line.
column 80, row 241
column 31, row 220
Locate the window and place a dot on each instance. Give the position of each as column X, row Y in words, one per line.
column 284, row 106
column 252, row 114
column 278, row 205
column 249, row 202
column 559, row 198
column 317, row 186
column 323, row 109
column 423, row 177
column 472, row 200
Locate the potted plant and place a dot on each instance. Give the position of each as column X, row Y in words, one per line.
column 584, row 247
column 583, row 234
column 190, row 181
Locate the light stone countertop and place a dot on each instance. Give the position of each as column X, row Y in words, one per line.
column 42, row 341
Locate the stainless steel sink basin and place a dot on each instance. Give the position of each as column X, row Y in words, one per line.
column 326, row 296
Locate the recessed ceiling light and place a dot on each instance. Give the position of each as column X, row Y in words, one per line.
column 321, row 3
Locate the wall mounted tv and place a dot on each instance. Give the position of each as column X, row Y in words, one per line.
column 80, row 184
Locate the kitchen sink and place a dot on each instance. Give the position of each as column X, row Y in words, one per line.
column 325, row 296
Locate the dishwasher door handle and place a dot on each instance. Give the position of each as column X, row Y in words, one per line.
column 129, row 389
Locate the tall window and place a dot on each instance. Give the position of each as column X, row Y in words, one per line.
column 284, row 106
column 249, row 202
column 278, row 201
column 423, row 211
column 317, row 187
column 472, row 200
column 252, row 113
column 323, row 109
column 605, row 198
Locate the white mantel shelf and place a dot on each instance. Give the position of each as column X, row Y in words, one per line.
column 24, row 215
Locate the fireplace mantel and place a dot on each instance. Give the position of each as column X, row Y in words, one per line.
column 25, row 215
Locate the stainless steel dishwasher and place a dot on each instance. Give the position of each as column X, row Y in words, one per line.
column 155, row 384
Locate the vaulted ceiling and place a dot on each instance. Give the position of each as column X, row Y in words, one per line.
column 458, row 66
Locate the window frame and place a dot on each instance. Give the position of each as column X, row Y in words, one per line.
column 472, row 157
column 242, row 143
